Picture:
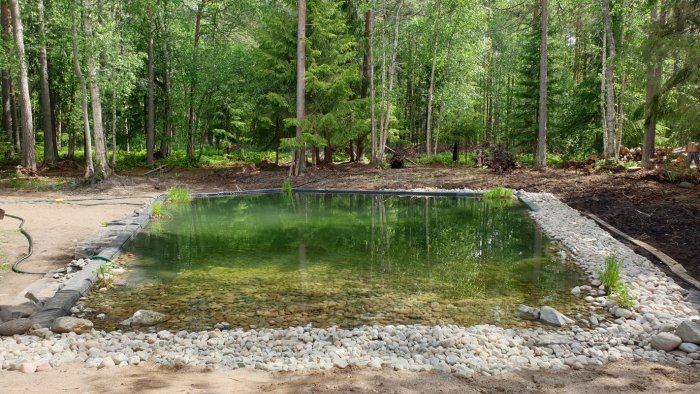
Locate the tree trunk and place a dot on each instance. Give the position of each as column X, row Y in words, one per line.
column 392, row 73
column 300, row 159
column 542, row 132
column 50, row 149
column 28, row 150
column 191, row 118
column 102, row 170
column 7, row 115
column 654, row 73
column 166, row 146
column 114, row 128
column 369, row 20
column 431, row 90
column 89, row 166
column 610, row 152
column 151, row 115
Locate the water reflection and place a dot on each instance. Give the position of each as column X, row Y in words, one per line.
column 377, row 258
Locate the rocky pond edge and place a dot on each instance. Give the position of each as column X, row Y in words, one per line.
column 663, row 326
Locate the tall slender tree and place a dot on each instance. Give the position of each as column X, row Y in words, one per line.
column 102, row 171
column 542, row 116
column 83, row 94
column 300, row 157
column 50, row 146
column 151, row 115
column 654, row 74
column 28, row 143
column 431, row 89
column 609, row 75
column 7, row 113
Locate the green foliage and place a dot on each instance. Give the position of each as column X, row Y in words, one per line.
column 287, row 187
column 179, row 195
column 623, row 297
column 157, row 209
column 498, row 193
column 610, row 277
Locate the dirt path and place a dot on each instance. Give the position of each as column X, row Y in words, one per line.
column 620, row 377
column 55, row 228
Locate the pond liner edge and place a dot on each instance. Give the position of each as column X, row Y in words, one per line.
column 72, row 290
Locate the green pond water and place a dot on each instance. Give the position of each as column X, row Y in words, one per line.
column 276, row 260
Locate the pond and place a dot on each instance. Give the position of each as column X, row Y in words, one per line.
column 279, row 260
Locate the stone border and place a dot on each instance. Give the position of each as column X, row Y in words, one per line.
column 107, row 244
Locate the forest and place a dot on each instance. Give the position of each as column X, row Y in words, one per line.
column 109, row 83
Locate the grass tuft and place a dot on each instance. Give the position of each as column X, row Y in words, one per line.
column 179, row 195
column 498, row 193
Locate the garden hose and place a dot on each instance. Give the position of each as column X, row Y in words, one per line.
column 30, row 250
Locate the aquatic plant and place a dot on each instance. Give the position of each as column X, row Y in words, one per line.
column 287, row 187
column 498, row 193
column 610, row 277
column 157, row 209
column 179, row 195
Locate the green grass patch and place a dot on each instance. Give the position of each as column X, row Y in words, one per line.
column 611, row 275
column 157, row 209
column 498, row 193
column 179, row 195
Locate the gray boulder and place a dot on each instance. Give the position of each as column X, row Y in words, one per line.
column 665, row 341
column 15, row 327
column 146, row 318
column 528, row 313
column 68, row 324
column 689, row 331
column 553, row 317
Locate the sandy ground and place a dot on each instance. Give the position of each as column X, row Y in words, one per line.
column 57, row 228
column 620, row 377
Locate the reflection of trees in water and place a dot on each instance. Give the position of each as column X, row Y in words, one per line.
column 445, row 245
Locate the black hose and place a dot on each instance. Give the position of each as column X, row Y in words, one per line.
column 30, row 250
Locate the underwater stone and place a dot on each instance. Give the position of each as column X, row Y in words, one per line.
column 552, row 316
column 528, row 313
column 145, row 317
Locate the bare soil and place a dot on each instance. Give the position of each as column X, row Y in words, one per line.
column 619, row 377
column 664, row 215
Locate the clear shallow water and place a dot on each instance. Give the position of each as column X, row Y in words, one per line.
column 346, row 260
